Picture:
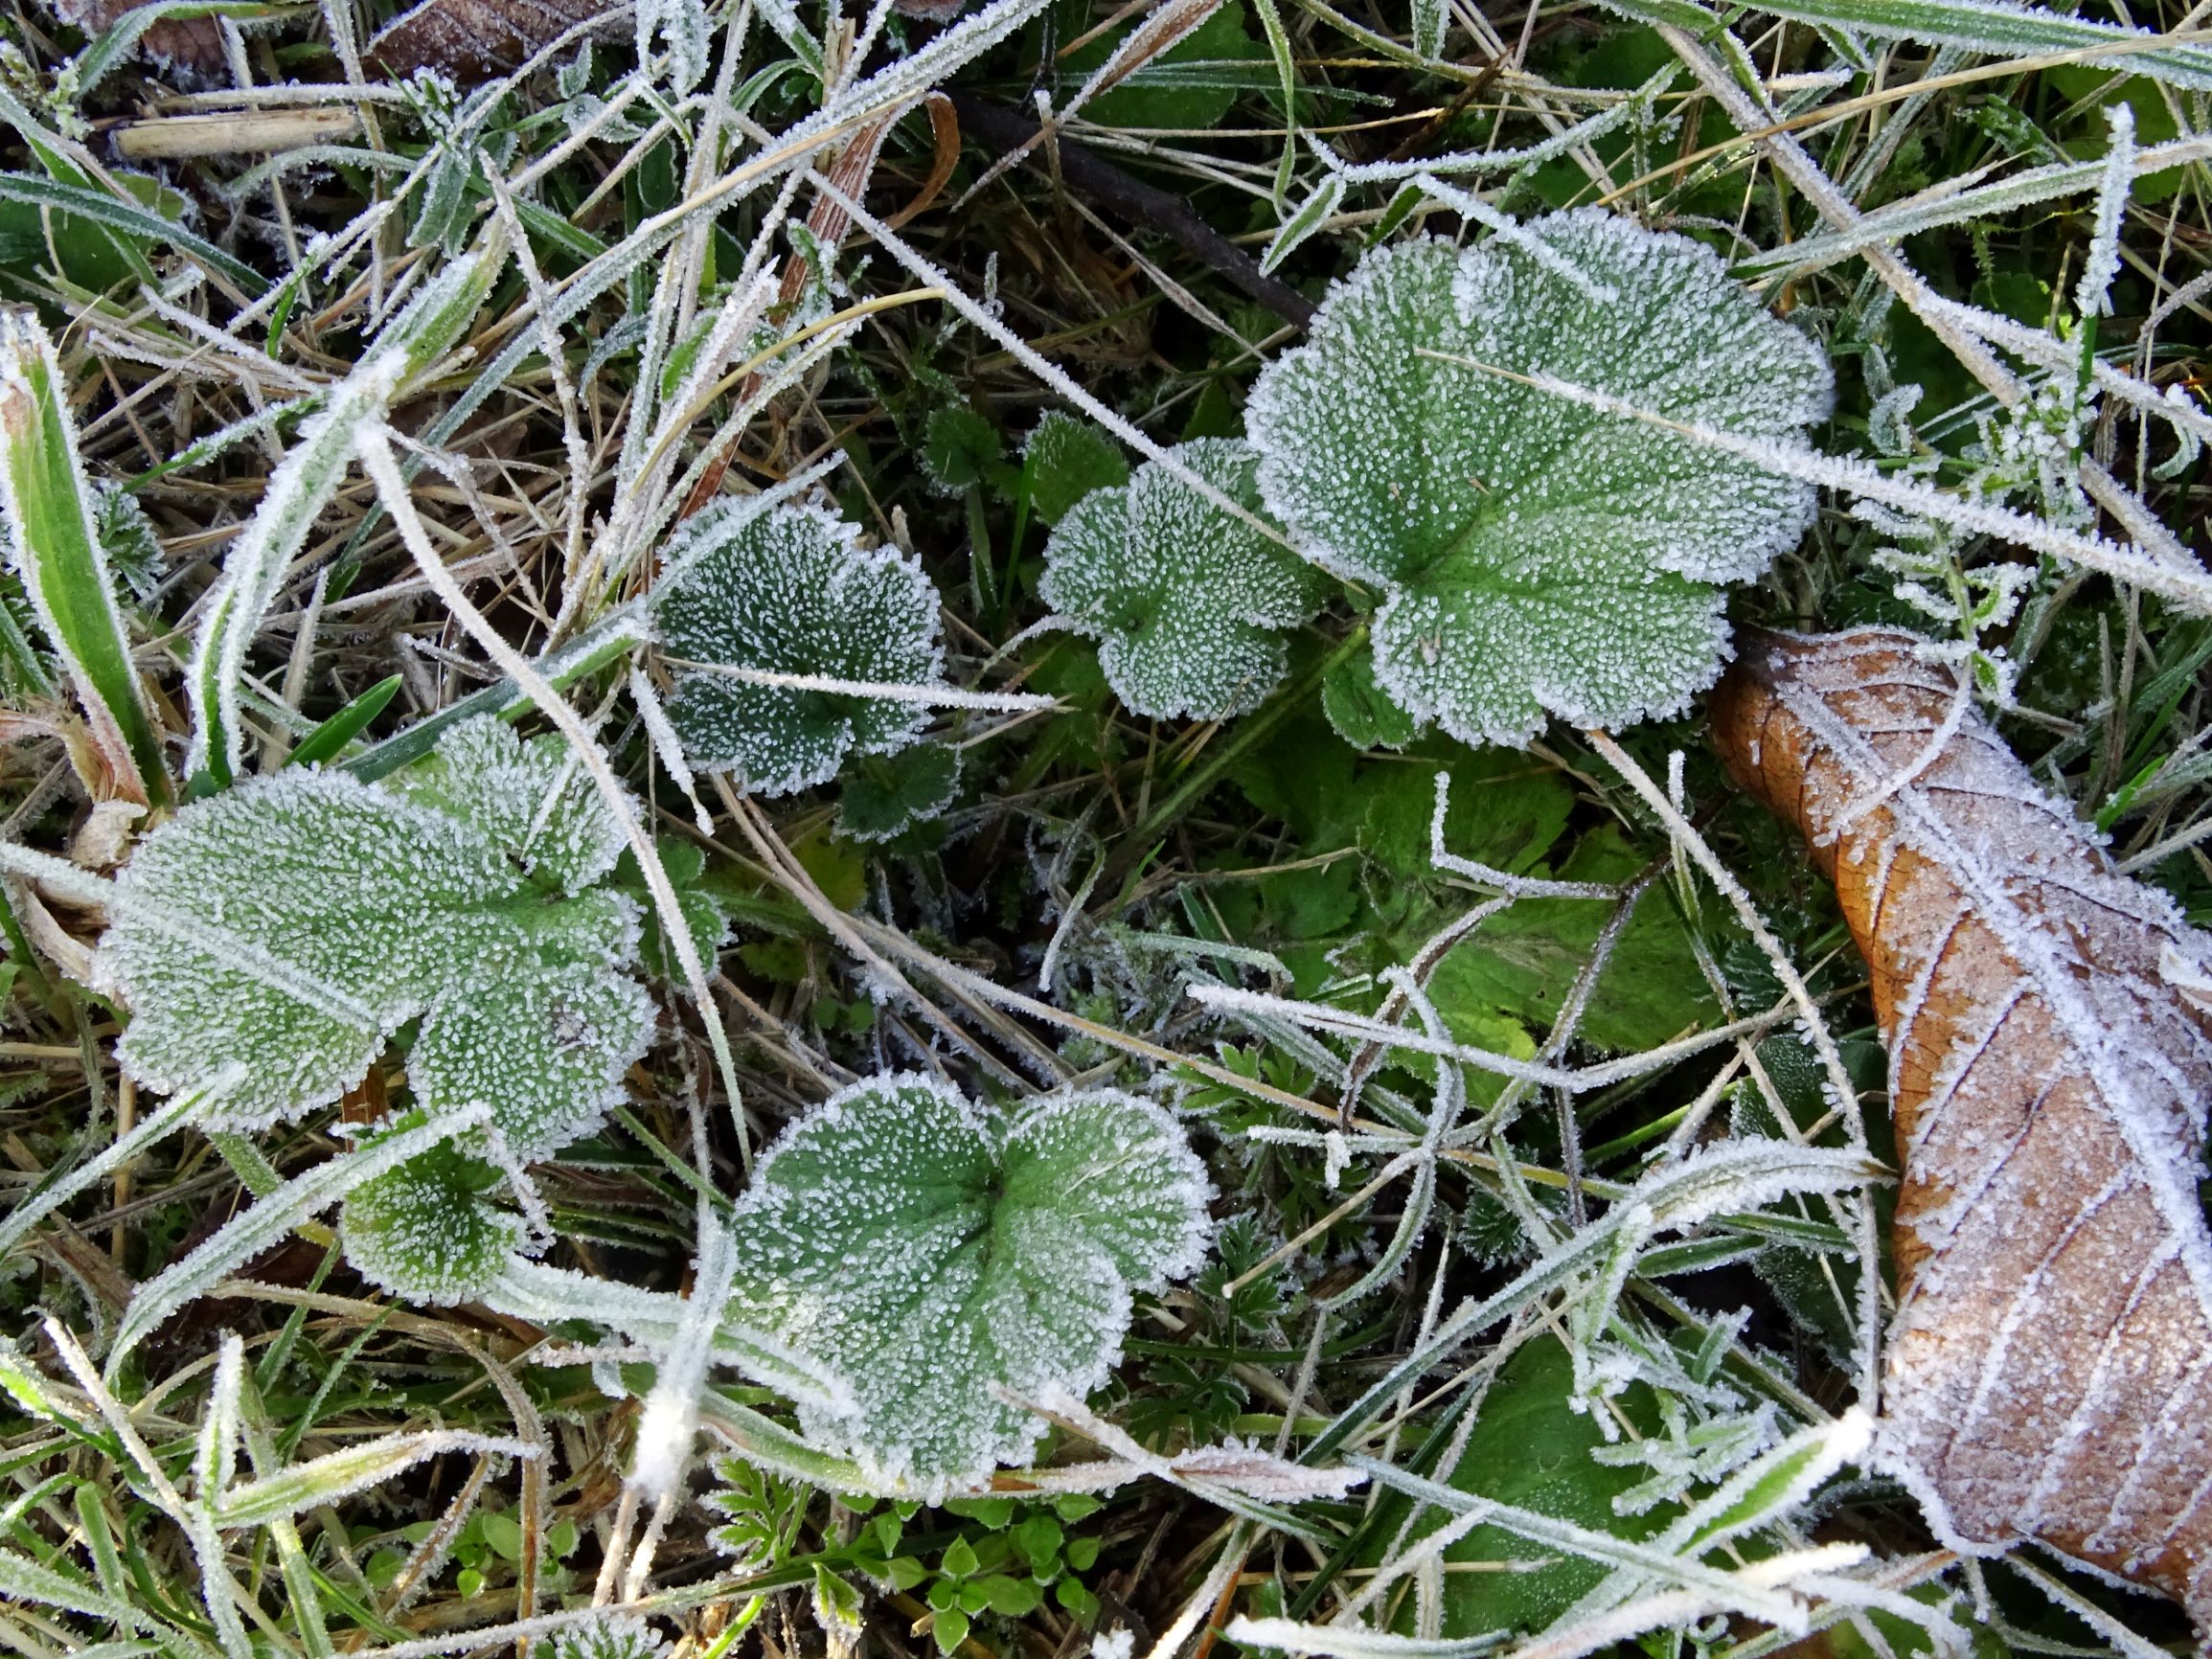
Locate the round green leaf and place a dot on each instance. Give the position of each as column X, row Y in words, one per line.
column 297, row 922
column 791, row 592
column 925, row 1251
column 423, row 1231
column 1538, row 555
column 1188, row 602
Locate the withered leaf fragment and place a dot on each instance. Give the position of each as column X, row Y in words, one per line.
column 2049, row 1370
column 470, row 38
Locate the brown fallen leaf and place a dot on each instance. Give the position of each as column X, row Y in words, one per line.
column 2049, row 1370
column 191, row 48
column 474, row 38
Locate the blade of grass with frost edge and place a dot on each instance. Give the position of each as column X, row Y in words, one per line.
column 175, row 1112
column 347, row 1470
column 303, row 484
column 1730, row 1177
column 47, row 502
column 270, row 1219
column 116, row 214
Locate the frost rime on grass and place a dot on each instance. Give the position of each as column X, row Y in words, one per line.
column 925, row 1251
column 1189, row 604
column 1538, row 557
column 791, row 592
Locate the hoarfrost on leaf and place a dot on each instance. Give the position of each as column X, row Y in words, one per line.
column 1187, row 601
column 1538, row 555
column 425, row 1231
column 752, row 596
column 298, row 922
column 925, row 1251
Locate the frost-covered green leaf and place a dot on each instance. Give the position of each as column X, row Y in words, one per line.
column 1188, row 602
column 926, row 1250
column 757, row 598
column 297, row 923
column 959, row 448
column 1539, row 557
column 605, row 1636
column 1063, row 460
column 425, row 1230
column 1360, row 710
column 884, row 797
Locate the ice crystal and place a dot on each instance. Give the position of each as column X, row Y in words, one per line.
column 424, row 1229
column 1539, row 555
column 1188, row 602
column 928, row 1251
column 756, row 597
column 298, row 922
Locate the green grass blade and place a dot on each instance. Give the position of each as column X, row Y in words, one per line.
column 116, row 44
column 327, row 740
column 46, row 501
column 132, row 221
column 2006, row 31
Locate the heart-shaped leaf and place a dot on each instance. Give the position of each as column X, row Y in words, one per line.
column 298, row 922
column 1188, row 602
column 755, row 601
column 926, row 1250
column 1538, row 555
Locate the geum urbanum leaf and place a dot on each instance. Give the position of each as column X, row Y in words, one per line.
column 297, row 923
column 926, row 1250
column 1188, row 602
column 1535, row 556
column 766, row 616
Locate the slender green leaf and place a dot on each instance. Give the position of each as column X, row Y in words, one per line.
column 54, row 544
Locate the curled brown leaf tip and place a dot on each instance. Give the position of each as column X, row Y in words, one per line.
column 2049, row 1370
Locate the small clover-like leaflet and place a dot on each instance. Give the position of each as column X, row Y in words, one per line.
column 926, row 1251
column 1538, row 555
column 755, row 601
column 297, row 923
column 1188, row 602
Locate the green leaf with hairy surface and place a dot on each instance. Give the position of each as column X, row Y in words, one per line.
column 959, row 448
column 790, row 592
column 1360, row 710
column 1063, row 460
column 425, row 1231
column 297, row 923
column 1188, row 602
column 885, row 797
column 1530, row 1448
column 926, row 1251
column 1538, row 557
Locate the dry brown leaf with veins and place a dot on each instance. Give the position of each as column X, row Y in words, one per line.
column 2049, row 1370
column 472, row 38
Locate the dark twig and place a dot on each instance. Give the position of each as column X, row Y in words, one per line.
column 1146, row 207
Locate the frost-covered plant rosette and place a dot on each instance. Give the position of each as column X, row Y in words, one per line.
column 1478, row 438
column 906, row 1264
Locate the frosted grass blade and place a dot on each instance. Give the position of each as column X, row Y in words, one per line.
column 303, row 486
column 1906, row 218
column 351, row 1469
column 2004, row 31
column 54, row 544
column 256, row 1229
column 131, row 220
column 174, row 1113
